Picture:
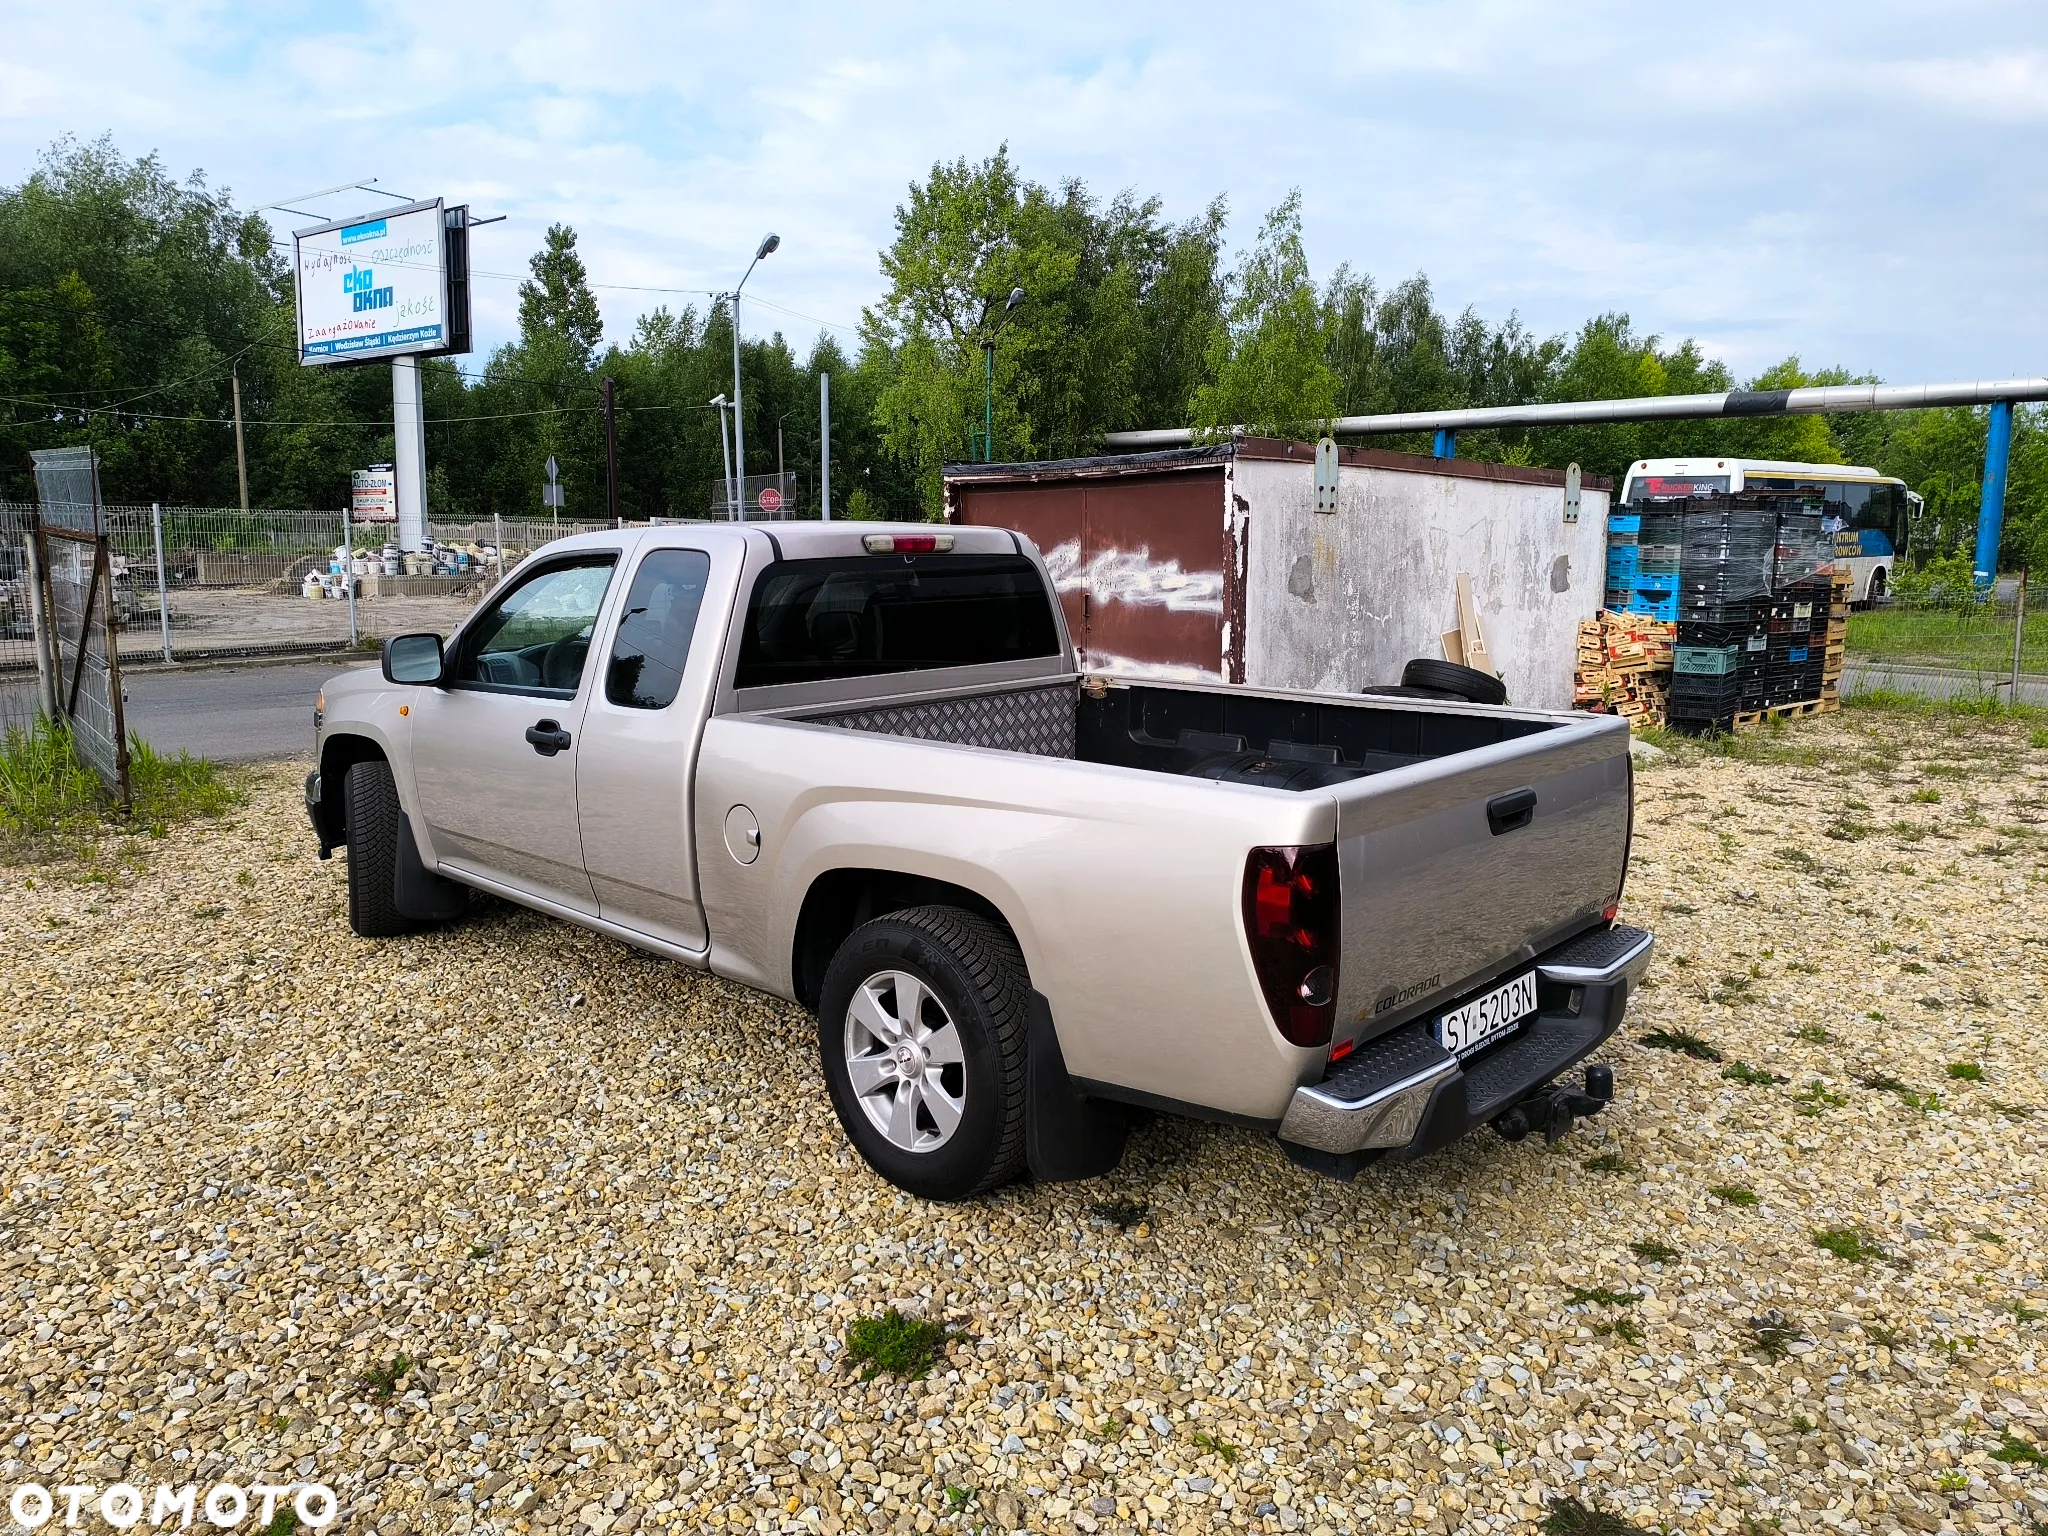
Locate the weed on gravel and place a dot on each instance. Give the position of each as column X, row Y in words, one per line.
column 1852, row 1245
column 1654, row 1251
column 1684, row 1041
column 1773, row 1335
column 906, row 1347
column 1570, row 1516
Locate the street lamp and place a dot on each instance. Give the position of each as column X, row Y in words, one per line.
column 725, row 442
column 739, row 437
column 988, row 357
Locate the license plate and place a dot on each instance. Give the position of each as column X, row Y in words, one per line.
column 1464, row 1030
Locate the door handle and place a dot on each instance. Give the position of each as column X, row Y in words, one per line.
column 547, row 737
column 1505, row 813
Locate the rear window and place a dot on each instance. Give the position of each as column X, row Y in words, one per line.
column 866, row 614
column 1657, row 487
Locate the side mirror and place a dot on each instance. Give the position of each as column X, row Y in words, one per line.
column 413, row 659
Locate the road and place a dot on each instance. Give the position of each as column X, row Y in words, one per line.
column 230, row 714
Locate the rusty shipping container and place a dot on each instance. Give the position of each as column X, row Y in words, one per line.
column 1213, row 564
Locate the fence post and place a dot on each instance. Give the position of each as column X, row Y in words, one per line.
column 498, row 533
column 348, row 577
column 2019, row 630
column 163, row 590
column 44, row 624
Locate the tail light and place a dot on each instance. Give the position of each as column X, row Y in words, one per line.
column 907, row 543
column 1290, row 922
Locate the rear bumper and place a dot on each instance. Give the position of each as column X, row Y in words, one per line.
column 1403, row 1095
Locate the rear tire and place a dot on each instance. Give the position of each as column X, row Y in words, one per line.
column 1461, row 682
column 947, row 1124
column 370, row 794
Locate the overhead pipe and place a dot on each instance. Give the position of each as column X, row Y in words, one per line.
column 1819, row 400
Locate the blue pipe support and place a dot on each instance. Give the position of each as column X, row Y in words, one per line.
column 1446, row 443
column 1991, row 512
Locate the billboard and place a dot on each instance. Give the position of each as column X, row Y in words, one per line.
column 373, row 495
column 379, row 287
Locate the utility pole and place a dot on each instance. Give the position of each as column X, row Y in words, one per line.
column 725, row 442
column 611, row 448
column 825, row 446
column 241, row 456
column 781, row 485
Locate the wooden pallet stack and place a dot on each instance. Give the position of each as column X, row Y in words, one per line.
column 1840, row 584
column 1624, row 667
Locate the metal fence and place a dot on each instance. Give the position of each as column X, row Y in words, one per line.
column 1986, row 642
column 217, row 583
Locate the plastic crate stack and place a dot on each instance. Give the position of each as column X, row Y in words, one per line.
column 1624, row 667
column 1748, row 638
column 1642, row 570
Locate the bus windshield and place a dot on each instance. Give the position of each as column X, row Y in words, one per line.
column 1866, row 517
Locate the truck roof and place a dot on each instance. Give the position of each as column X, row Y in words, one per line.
column 809, row 540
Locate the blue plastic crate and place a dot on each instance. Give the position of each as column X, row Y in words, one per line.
column 1656, row 604
column 1625, row 522
column 1646, row 581
column 1622, row 565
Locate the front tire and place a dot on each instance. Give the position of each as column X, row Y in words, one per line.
column 922, row 1032
column 370, row 794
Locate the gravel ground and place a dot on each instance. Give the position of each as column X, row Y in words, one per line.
column 601, row 1203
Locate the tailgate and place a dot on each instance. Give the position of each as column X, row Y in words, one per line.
column 1440, row 896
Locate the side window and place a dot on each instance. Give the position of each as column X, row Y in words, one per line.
column 538, row 635
column 653, row 641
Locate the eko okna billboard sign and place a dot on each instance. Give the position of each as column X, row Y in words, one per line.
column 385, row 286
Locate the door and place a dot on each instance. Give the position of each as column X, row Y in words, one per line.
column 640, row 734
column 495, row 750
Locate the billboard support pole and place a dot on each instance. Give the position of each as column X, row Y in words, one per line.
column 825, row 446
column 409, row 434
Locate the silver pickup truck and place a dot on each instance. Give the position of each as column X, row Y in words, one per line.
column 854, row 765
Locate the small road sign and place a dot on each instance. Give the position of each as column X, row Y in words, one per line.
column 770, row 499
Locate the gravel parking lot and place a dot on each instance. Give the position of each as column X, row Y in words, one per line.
column 596, row 1208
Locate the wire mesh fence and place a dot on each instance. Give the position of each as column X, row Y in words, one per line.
column 1961, row 633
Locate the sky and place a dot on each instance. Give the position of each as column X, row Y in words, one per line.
column 1853, row 182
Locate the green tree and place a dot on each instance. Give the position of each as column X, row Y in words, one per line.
column 1267, row 361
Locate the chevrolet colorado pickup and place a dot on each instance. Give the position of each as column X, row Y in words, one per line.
column 855, row 766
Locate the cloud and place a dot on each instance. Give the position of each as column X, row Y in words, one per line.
column 1854, row 184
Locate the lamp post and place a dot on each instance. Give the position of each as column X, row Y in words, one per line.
column 725, row 442
column 739, row 431
column 988, row 357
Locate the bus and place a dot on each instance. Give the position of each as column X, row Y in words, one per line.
column 1870, row 515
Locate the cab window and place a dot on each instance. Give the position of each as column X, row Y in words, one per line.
column 535, row 638
column 653, row 642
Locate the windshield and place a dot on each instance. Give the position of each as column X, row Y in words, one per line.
column 859, row 615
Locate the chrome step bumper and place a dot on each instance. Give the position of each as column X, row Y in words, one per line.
column 1405, row 1091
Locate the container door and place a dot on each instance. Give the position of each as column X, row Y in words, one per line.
column 1154, row 552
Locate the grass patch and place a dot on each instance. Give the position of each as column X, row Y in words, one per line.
column 958, row 1498
column 1975, row 706
column 1569, row 1516
column 1966, row 1072
column 282, row 1523
column 1814, row 1100
column 1599, row 1296
column 382, row 1380
column 1684, row 1041
column 1883, row 1082
column 1813, row 1034
column 907, row 1347
column 1627, row 1329
column 1733, row 1194
column 1204, row 1441
column 1608, row 1162
column 1880, row 1333
column 2017, row 1453
column 1754, row 1077
column 1927, row 794
column 1654, row 1251
column 53, row 808
column 1773, row 1335
column 1852, row 1245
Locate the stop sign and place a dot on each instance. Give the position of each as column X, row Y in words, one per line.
column 770, row 499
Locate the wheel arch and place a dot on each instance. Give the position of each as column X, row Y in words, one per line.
column 840, row 900
column 341, row 751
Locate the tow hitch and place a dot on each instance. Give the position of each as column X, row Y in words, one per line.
column 1552, row 1109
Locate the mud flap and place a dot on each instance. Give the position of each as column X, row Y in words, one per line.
column 416, row 891
column 1066, row 1134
